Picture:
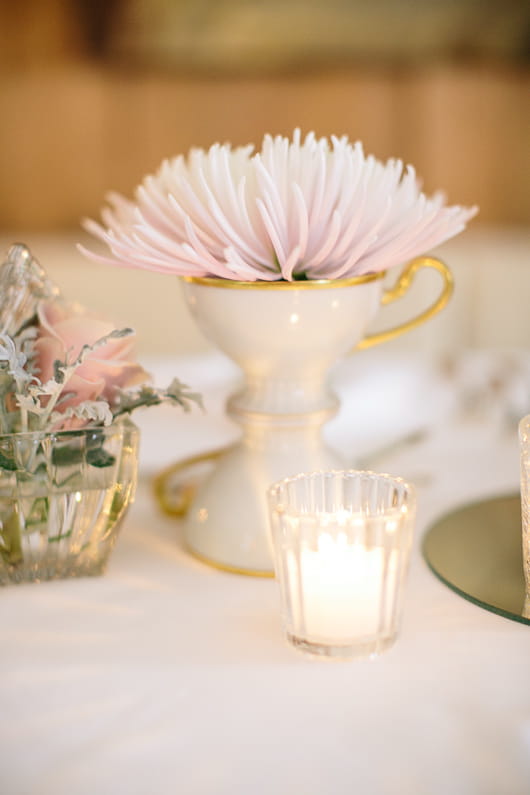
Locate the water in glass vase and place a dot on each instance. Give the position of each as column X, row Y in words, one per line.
column 61, row 518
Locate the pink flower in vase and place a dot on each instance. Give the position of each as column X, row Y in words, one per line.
column 63, row 330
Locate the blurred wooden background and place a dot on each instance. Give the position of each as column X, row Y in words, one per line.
column 84, row 112
column 95, row 93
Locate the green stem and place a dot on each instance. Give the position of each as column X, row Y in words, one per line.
column 11, row 549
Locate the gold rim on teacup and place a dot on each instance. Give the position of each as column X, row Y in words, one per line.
column 278, row 284
column 402, row 285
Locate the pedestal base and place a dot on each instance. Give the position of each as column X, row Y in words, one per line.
column 227, row 525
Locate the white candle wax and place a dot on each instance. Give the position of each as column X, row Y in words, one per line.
column 341, row 588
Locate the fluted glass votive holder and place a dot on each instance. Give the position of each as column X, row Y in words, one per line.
column 341, row 543
column 524, row 446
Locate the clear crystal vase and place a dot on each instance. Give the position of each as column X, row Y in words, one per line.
column 62, row 498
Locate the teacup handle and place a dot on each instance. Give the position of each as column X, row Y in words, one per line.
column 400, row 288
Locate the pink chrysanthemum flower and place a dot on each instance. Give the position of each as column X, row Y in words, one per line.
column 311, row 209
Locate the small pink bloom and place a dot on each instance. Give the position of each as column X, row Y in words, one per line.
column 62, row 331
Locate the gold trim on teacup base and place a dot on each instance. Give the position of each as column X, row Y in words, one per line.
column 179, row 508
column 227, row 568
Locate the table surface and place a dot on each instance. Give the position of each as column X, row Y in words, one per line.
column 167, row 676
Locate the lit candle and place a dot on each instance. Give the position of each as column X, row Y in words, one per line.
column 341, row 542
column 342, row 588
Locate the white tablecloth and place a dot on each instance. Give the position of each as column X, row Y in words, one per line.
column 166, row 676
